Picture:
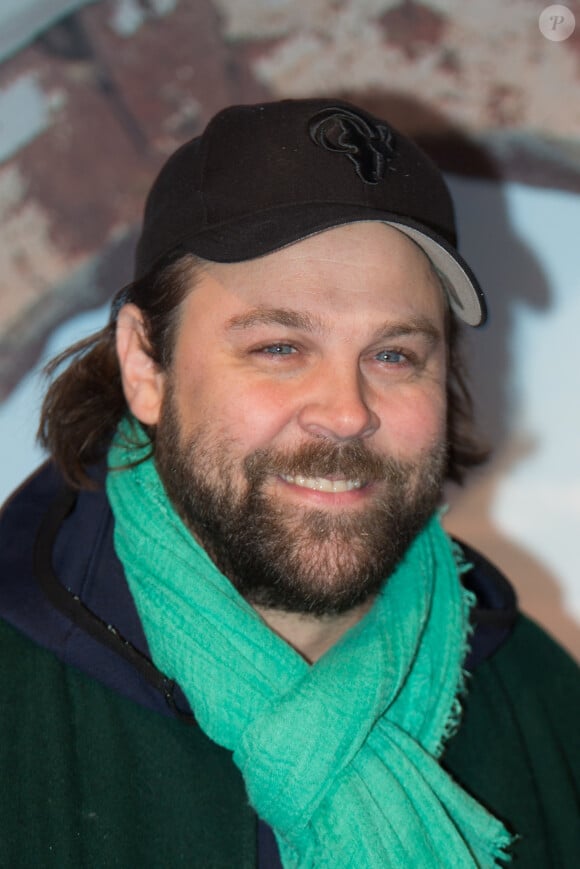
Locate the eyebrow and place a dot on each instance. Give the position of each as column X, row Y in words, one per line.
column 264, row 316
column 260, row 316
column 418, row 325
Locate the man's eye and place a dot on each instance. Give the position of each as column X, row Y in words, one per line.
column 392, row 357
column 277, row 349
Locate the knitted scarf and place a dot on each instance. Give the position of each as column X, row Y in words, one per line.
column 340, row 757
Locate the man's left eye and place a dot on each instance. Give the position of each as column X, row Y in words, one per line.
column 392, row 357
column 278, row 349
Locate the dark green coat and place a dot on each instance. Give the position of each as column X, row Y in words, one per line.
column 91, row 779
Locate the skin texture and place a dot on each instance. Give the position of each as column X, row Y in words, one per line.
column 325, row 359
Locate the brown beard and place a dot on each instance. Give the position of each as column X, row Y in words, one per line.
column 282, row 556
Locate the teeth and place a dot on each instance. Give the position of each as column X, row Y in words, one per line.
column 321, row 484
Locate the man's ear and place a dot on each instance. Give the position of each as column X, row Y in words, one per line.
column 143, row 381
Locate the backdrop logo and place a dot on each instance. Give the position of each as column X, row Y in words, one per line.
column 367, row 145
column 557, row 23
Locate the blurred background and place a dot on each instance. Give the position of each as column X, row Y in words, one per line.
column 95, row 95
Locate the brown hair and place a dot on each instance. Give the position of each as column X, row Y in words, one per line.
column 85, row 402
column 465, row 450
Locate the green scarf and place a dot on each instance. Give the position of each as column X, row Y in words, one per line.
column 340, row 758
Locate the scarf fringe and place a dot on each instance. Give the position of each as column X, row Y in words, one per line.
column 502, row 849
column 453, row 722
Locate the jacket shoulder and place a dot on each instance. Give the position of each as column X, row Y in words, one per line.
column 518, row 747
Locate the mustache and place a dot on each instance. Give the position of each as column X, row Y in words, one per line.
column 352, row 461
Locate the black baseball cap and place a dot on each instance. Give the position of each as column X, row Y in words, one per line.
column 264, row 176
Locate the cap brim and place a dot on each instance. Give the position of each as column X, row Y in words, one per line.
column 255, row 235
column 465, row 295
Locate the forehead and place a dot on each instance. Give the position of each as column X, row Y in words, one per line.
column 344, row 274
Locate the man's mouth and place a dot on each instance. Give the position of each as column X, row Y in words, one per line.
column 323, row 484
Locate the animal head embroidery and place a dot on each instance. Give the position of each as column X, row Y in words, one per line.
column 367, row 145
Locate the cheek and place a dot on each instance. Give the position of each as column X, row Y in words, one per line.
column 413, row 423
column 251, row 416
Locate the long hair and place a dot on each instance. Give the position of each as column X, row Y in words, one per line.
column 85, row 402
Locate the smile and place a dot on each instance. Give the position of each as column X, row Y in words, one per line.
column 322, row 484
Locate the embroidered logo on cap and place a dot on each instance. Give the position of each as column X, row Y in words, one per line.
column 366, row 144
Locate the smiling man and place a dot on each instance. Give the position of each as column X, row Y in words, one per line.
column 235, row 631
column 285, row 486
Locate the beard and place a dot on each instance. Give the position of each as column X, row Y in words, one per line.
column 283, row 556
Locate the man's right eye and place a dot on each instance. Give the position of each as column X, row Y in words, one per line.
column 277, row 349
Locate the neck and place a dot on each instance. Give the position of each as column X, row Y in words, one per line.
column 312, row 636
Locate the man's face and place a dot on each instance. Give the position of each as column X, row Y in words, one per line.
column 302, row 431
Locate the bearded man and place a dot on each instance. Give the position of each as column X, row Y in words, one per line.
column 235, row 633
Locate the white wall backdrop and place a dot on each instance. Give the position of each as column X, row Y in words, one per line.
column 523, row 508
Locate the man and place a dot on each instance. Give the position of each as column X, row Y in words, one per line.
column 235, row 632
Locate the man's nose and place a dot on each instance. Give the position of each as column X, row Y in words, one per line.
column 336, row 404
